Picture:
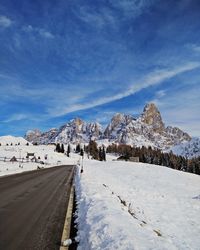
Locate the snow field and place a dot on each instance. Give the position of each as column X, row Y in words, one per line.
column 124, row 205
column 20, row 151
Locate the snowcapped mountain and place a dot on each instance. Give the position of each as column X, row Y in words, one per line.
column 147, row 130
column 74, row 131
column 78, row 131
column 12, row 140
column 188, row 149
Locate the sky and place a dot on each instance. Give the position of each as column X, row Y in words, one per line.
column 93, row 58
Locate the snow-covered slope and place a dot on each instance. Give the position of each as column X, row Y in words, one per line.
column 147, row 130
column 188, row 149
column 8, row 139
column 126, row 206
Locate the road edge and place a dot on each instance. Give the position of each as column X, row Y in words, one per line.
column 68, row 219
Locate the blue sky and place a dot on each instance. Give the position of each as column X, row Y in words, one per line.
column 89, row 58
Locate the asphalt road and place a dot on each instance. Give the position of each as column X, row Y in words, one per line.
column 33, row 207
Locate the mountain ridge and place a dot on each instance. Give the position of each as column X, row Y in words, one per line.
column 146, row 130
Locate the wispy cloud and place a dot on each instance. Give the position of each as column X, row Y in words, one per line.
column 180, row 108
column 196, row 48
column 131, row 8
column 5, row 22
column 16, row 117
column 42, row 32
column 112, row 15
column 150, row 80
column 45, row 33
column 160, row 93
column 99, row 18
column 5, row 76
column 78, row 55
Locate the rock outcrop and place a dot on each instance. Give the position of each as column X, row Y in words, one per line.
column 151, row 116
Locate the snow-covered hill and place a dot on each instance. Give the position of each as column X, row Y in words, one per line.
column 188, row 149
column 124, row 205
column 12, row 140
column 147, row 130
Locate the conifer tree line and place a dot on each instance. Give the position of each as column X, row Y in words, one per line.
column 60, row 148
column 92, row 150
column 95, row 152
column 156, row 156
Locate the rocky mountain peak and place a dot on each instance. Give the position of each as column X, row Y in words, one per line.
column 117, row 118
column 77, row 121
column 77, row 124
column 151, row 116
column 118, row 122
column 33, row 135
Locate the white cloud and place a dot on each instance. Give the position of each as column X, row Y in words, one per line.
column 196, row 48
column 175, row 107
column 180, row 108
column 42, row 32
column 113, row 15
column 28, row 28
column 5, row 76
column 160, row 93
column 5, row 22
column 150, row 80
column 45, row 33
column 98, row 19
column 131, row 8
column 16, row 117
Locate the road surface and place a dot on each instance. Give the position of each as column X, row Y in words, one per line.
column 33, row 208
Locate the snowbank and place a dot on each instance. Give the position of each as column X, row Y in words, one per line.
column 123, row 205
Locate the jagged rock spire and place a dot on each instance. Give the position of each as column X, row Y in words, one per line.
column 151, row 116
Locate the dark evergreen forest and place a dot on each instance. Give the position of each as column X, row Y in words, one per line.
column 156, row 156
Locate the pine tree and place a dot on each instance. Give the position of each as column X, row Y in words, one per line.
column 104, row 154
column 93, row 150
column 100, row 154
column 62, row 150
column 81, row 152
column 68, row 150
column 78, row 148
column 58, row 149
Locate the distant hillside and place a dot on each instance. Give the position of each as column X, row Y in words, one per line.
column 12, row 140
